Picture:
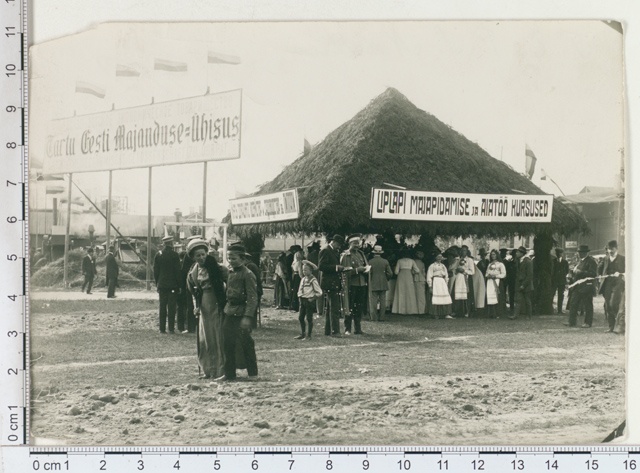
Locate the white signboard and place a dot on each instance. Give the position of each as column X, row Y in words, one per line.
column 197, row 129
column 395, row 204
column 265, row 208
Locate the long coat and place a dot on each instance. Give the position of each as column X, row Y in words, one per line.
column 559, row 271
column 166, row 269
column 379, row 274
column 610, row 267
column 89, row 266
column 524, row 278
column 328, row 260
column 112, row 268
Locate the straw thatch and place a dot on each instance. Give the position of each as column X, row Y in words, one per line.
column 391, row 140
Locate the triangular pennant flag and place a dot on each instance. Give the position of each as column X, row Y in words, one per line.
column 91, row 89
column 219, row 58
column 171, row 66
column 307, row 147
column 123, row 70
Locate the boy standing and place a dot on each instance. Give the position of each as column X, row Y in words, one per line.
column 242, row 302
column 308, row 292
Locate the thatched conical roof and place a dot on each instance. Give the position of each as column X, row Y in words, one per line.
column 391, row 140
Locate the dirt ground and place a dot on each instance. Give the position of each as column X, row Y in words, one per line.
column 103, row 375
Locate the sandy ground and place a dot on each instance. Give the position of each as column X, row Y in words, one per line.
column 410, row 381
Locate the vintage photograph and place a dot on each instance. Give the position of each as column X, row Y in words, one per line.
column 328, row 233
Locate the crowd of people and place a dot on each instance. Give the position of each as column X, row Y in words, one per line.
column 363, row 280
column 348, row 280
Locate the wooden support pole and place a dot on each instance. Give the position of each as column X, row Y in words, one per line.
column 204, row 200
column 149, row 233
column 65, row 274
column 108, row 212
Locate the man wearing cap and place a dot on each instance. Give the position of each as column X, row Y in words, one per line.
column 379, row 276
column 583, row 276
column 355, row 259
column 559, row 271
column 112, row 272
column 166, row 273
column 242, row 303
column 524, row 283
column 612, row 286
column 331, row 283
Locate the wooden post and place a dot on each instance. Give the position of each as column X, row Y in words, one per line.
column 65, row 274
column 149, row 234
column 108, row 212
column 204, row 200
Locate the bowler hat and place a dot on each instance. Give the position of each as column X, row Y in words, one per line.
column 583, row 249
column 377, row 250
column 522, row 250
column 612, row 244
column 338, row 239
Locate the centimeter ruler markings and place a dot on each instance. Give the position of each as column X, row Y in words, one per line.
column 14, row 355
column 329, row 459
column 13, row 223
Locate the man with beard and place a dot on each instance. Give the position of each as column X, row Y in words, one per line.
column 355, row 259
column 612, row 285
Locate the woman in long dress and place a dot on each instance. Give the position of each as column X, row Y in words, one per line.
column 404, row 299
column 280, row 278
column 206, row 283
column 459, row 287
column 495, row 274
column 420, row 283
column 438, row 281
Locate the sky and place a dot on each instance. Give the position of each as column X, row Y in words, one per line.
column 556, row 86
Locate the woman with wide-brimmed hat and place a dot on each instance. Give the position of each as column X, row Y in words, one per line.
column 206, row 283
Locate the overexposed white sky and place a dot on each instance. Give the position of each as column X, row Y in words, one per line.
column 557, row 86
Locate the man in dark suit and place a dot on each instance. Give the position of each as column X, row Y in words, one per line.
column 612, row 285
column 379, row 276
column 583, row 276
column 88, row 270
column 112, row 272
column 559, row 271
column 166, row 272
column 329, row 265
column 524, row 283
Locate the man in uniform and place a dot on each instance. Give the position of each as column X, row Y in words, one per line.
column 88, row 270
column 612, row 285
column 559, row 271
column 524, row 283
column 355, row 259
column 329, row 265
column 583, row 276
column 242, row 303
column 166, row 272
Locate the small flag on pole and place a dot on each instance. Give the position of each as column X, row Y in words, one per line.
column 55, row 189
column 123, row 70
column 219, row 58
column 91, row 89
column 171, row 66
column 543, row 177
column 307, row 147
column 531, row 159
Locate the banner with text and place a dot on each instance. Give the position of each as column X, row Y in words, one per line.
column 394, row 204
column 266, row 208
column 196, row 129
